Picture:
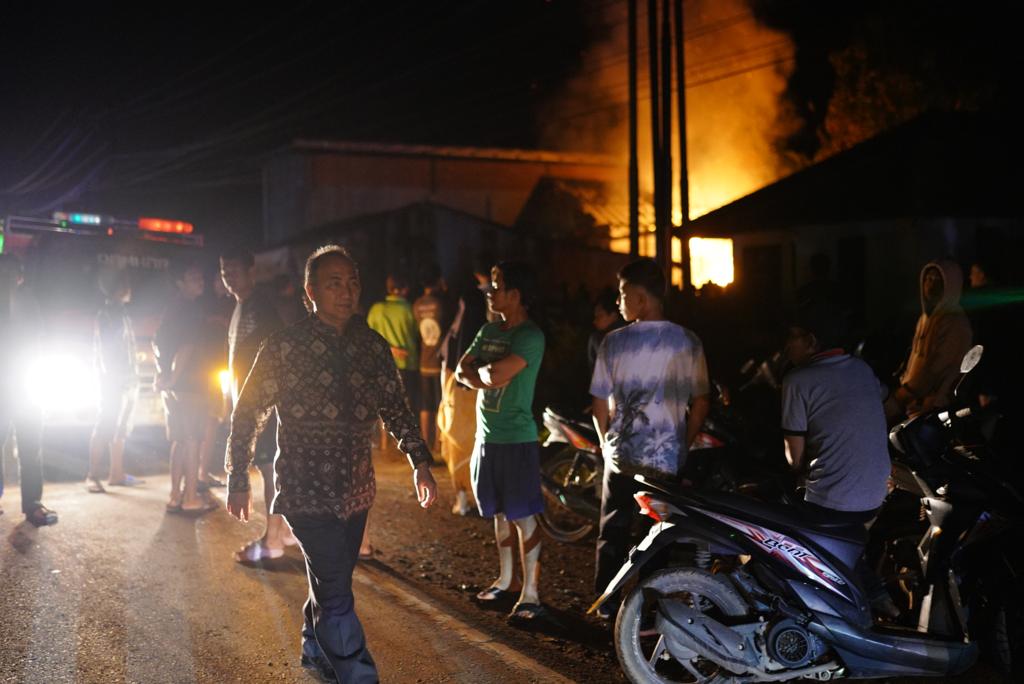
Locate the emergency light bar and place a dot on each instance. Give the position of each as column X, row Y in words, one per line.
column 156, row 230
column 164, row 226
column 81, row 219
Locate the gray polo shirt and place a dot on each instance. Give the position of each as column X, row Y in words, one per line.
column 835, row 403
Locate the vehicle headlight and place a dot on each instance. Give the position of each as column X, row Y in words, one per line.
column 224, row 377
column 61, row 383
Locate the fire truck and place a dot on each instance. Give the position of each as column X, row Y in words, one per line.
column 63, row 256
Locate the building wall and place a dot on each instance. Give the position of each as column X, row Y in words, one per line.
column 308, row 189
column 882, row 260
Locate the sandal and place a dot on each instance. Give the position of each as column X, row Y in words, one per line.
column 493, row 594
column 203, row 507
column 42, row 516
column 174, row 504
column 528, row 613
column 128, row 481
column 254, row 552
column 95, row 487
column 366, row 555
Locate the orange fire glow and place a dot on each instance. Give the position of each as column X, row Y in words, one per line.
column 736, row 71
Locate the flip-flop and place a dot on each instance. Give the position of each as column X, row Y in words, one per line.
column 254, row 552
column 42, row 516
column 528, row 613
column 492, row 594
column 128, row 481
column 204, row 507
column 95, row 487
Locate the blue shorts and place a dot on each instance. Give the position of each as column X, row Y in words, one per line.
column 506, row 479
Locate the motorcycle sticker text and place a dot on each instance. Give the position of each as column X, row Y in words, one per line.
column 784, row 548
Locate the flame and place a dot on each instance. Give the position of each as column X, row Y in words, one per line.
column 736, row 72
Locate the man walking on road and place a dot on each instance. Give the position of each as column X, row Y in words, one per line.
column 329, row 377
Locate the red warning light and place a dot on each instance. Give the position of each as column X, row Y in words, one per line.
column 164, row 226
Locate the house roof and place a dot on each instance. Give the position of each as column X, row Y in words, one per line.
column 452, row 152
column 938, row 165
column 375, row 219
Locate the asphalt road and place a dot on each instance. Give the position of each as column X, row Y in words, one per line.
column 119, row 591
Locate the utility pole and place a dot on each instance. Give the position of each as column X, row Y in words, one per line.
column 634, row 145
column 684, row 176
column 655, row 83
column 664, row 231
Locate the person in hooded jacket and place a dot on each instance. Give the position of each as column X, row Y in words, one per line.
column 941, row 338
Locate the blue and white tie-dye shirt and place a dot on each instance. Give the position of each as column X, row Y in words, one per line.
column 649, row 371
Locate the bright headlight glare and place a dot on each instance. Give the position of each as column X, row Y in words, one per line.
column 224, row 377
column 61, row 383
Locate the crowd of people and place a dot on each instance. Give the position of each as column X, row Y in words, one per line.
column 459, row 368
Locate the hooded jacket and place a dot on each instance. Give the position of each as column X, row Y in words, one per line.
column 941, row 339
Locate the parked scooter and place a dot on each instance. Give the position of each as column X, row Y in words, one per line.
column 571, row 475
column 772, row 595
column 733, row 447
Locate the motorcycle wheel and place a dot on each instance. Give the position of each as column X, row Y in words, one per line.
column 559, row 521
column 641, row 650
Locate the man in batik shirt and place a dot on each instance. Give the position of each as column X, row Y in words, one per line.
column 329, row 377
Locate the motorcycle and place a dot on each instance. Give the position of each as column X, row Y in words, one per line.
column 729, row 450
column 771, row 595
column 572, row 468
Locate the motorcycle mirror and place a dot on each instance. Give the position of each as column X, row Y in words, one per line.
column 971, row 358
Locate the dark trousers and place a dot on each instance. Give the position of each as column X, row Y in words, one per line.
column 331, row 630
column 614, row 537
column 26, row 425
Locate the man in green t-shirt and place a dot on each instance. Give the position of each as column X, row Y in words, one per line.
column 393, row 320
column 503, row 362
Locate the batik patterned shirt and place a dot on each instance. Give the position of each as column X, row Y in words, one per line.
column 329, row 388
column 649, row 371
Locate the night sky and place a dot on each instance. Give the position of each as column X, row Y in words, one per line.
column 164, row 110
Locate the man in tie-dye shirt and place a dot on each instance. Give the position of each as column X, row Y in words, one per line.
column 645, row 377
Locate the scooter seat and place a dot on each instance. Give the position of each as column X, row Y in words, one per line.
column 587, row 428
column 785, row 517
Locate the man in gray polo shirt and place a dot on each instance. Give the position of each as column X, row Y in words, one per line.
column 833, row 421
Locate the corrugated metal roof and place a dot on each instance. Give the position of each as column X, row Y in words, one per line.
column 607, row 205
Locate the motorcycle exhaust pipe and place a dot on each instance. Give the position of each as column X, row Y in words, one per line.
column 689, row 632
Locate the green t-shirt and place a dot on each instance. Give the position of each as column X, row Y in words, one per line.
column 393, row 320
column 505, row 415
